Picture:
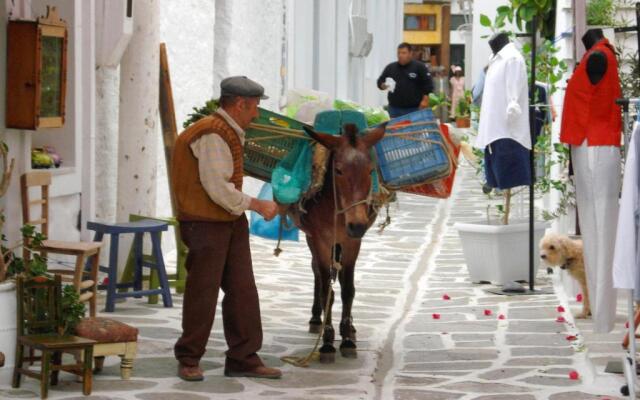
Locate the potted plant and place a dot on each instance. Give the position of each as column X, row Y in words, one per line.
column 439, row 103
column 11, row 265
column 463, row 111
column 7, row 287
column 497, row 248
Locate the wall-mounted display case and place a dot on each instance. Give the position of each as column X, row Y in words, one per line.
column 36, row 72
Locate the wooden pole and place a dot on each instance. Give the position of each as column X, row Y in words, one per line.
column 167, row 116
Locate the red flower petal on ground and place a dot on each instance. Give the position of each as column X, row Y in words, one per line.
column 488, row 312
column 435, row 316
column 561, row 319
column 574, row 376
column 571, row 338
column 446, row 297
column 560, row 309
column 579, row 298
column 501, row 316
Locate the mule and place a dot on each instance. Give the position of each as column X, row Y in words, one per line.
column 335, row 222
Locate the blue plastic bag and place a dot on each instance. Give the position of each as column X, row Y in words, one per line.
column 292, row 176
column 269, row 229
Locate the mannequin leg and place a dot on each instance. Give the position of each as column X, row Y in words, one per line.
column 597, row 175
column 607, row 206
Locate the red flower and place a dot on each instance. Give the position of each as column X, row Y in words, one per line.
column 574, row 376
column 579, row 298
column 560, row 309
column 435, row 316
column 446, row 297
column 561, row 319
column 571, row 338
column 501, row 316
column 488, row 312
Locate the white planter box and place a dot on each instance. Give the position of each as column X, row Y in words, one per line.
column 499, row 253
column 7, row 329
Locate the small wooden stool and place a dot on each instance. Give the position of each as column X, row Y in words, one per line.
column 139, row 228
column 113, row 338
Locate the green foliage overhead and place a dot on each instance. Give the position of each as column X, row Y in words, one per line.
column 601, row 12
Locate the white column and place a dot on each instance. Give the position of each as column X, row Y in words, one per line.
column 88, row 107
column 138, row 119
column 106, row 143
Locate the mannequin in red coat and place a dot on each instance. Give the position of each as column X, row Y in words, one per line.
column 591, row 125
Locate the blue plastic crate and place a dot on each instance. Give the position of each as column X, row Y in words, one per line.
column 332, row 121
column 405, row 161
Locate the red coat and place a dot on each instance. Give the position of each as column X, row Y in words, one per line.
column 590, row 111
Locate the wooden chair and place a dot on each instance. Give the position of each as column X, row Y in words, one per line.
column 39, row 312
column 85, row 282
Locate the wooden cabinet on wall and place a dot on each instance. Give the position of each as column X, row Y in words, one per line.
column 36, row 72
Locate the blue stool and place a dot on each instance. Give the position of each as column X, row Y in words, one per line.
column 138, row 228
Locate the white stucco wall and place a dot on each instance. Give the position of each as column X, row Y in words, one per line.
column 252, row 45
column 190, row 54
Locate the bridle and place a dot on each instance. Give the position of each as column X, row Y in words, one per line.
column 367, row 200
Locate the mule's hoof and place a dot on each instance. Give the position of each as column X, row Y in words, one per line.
column 349, row 352
column 327, row 354
column 314, row 328
column 327, row 358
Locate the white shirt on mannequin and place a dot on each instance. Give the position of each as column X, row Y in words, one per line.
column 505, row 102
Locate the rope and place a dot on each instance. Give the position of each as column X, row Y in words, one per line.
column 278, row 250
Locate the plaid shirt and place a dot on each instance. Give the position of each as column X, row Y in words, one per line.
column 215, row 165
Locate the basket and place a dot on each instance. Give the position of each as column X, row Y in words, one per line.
column 268, row 140
column 441, row 188
column 413, row 151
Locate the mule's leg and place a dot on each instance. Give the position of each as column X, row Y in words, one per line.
column 348, row 291
column 327, row 351
column 315, row 323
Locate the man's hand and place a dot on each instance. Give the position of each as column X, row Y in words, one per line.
column 268, row 209
column 424, row 103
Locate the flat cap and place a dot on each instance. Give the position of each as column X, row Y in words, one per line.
column 241, row 86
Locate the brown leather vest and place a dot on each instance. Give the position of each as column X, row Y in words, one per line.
column 192, row 201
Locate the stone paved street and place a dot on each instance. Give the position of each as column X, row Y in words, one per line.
column 404, row 353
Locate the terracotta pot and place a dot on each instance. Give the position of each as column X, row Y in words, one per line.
column 463, row 122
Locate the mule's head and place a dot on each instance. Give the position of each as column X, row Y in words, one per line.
column 350, row 169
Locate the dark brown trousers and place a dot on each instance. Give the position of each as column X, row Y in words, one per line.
column 220, row 257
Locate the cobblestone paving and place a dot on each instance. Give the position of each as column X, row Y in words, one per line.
column 404, row 353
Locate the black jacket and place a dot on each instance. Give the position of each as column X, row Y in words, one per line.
column 413, row 81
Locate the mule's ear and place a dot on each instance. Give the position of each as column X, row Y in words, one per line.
column 374, row 135
column 329, row 141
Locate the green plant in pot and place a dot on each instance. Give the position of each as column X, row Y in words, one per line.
column 497, row 249
column 463, row 111
column 11, row 265
column 439, row 103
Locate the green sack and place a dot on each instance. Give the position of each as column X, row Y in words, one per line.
column 292, row 176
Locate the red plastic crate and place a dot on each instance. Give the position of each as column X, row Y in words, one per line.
column 441, row 188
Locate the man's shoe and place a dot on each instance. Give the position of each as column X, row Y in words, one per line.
column 257, row 372
column 190, row 374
